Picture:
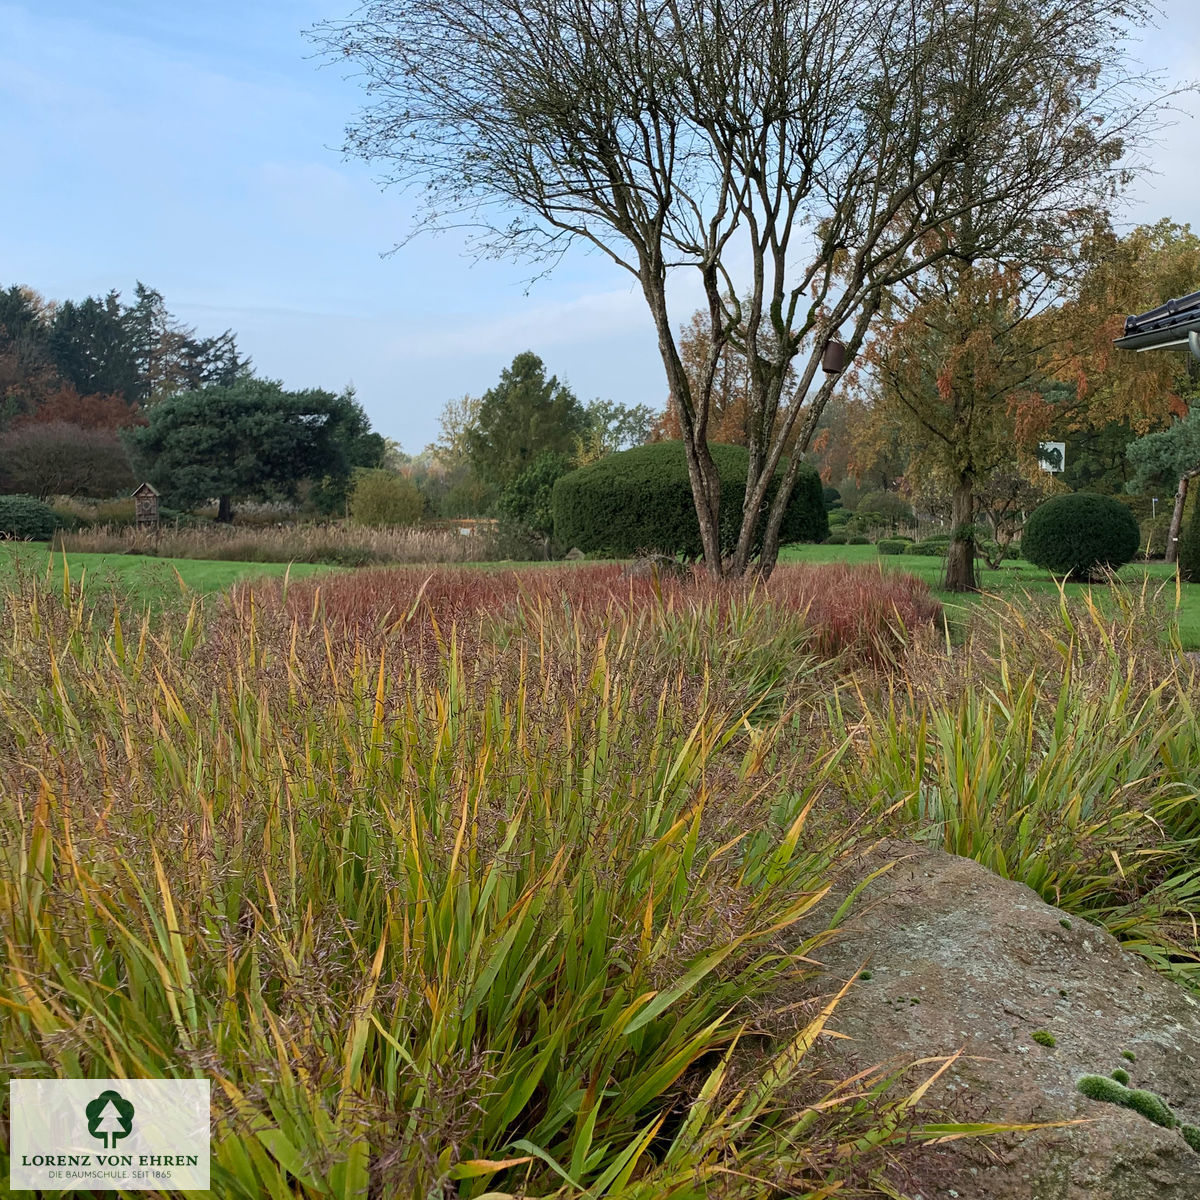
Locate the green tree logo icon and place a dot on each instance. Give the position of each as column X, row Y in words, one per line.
column 109, row 1117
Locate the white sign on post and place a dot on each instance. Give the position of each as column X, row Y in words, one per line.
column 1052, row 456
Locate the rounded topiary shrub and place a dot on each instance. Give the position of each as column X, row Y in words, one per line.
column 641, row 500
column 1081, row 535
column 27, row 519
column 892, row 545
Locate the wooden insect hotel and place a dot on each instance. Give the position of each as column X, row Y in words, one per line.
column 145, row 506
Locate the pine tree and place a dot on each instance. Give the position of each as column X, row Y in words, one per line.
column 523, row 417
column 92, row 349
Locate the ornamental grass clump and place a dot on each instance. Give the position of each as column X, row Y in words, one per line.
column 431, row 924
column 857, row 614
column 341, row 543
column 1059, row 747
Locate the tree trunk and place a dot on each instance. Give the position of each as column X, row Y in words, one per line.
column 706, row 495
column 770, row 548
column 1172, row 551
column 960, row 555
column 225, row 509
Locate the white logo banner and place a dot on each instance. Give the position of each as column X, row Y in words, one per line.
column 108, row 1134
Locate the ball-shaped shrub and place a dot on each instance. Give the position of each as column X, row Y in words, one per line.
column 892, row 545
column 640, row 500
column 27, row 519
column 384, row 498
column 1081, row 535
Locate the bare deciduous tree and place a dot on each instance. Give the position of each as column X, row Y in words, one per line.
column 801, row 155
column 55, row 458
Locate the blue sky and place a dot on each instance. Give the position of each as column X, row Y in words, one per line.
column 194, row 146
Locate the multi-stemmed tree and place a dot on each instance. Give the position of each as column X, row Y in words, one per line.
column 801, row 156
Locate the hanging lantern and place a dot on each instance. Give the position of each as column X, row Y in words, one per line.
column 833, row 361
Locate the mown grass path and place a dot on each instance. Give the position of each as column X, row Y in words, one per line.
column 144, row 581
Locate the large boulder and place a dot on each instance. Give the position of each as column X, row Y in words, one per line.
column 960, row 959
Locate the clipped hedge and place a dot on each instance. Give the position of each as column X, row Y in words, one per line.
column 893, row 545
column 1081, row 535
column 641, row 500
column 858, row 540
column 27, row 519
column 1189, row 549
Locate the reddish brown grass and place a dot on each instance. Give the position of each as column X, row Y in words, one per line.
column 854, row 610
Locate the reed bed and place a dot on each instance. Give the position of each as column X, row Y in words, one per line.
column 339, row 543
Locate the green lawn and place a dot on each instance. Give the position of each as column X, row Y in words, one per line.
column 1011, row 577
column 145, row 581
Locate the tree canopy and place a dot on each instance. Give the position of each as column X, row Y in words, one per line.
column 957, row 354
column 248, row 440
column 824, row 148
column 523, row 417
column 1166, row 454
column 101, row 349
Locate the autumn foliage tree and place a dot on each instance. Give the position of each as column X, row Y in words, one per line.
column 1119, row 276
column 731, row 387
column 99, row 411
column 859, row 444
column 1104, row 386
column 957, row 356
